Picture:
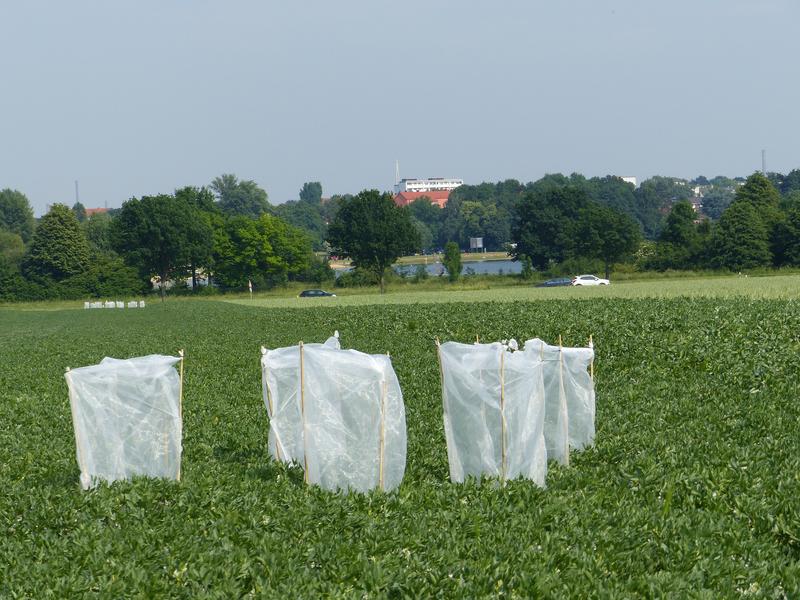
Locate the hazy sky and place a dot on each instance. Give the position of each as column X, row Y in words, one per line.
column 134, row 98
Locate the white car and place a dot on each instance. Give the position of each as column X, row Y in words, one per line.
column 589, row 280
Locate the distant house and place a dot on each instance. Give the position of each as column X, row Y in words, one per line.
column 95, row 211
column 439, row 198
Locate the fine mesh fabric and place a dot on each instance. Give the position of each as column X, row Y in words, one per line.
column 127, row 418
column 493, row 402
column 341, row 416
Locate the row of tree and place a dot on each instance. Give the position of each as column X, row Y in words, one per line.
column 229, row 233
column 759, row 228
column 226, row 232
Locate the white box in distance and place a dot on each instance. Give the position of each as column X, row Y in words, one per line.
column 337, row 413
column 127, row 418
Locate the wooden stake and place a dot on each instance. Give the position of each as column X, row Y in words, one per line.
column 180, row 406
column 591, row 363
column 73, row 408
column 180, row 394
column 563, row 398
column 441, row 382
column 270, row 407
column 383, row 436
column 502, row 417
column 303, row 415
column 477, row 339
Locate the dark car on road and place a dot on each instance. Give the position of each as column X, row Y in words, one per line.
column 315, row 294
column 555, row 282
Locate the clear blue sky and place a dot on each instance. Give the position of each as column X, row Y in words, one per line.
column 134, row 98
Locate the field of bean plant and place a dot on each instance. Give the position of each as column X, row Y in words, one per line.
column 691, row 490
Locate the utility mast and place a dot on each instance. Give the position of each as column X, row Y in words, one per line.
column 396, row 172
column 77, row 195
column 764, row 163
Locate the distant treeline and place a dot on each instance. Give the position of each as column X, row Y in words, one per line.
column 229, row 235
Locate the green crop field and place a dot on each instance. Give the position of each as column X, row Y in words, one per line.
column 692, row 488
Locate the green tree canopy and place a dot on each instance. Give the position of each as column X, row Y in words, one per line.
column 16, row 214
column 267, row 251
column 97, row 228
column 12, row 248
column 373, row 232
column 59, row 248
column 606, row 234
column 311, row 192
column 740, row 239
column 237, row 197
column 306, row 216
column 452, row 260
column 716, row 199
column 761, row 195
column 679, row 244
column 200, row 229
column 655, row 196
column 156, row 234
column 544, row 224
column 80, row 212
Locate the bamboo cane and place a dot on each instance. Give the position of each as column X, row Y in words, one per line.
column 270, row 406
column 502, row 417
column 383, row 436
column 82, row 463
column 180, row 405
column 303, row 415
column 563, row 398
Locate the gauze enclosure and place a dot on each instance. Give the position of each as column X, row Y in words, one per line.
column 127, row 418
column 569, row 397
column 493, row 412
column 337, row 413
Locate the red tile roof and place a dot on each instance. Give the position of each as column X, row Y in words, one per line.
column 439, row 197
column 94, row 211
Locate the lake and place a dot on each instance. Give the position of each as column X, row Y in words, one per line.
column 477, row 267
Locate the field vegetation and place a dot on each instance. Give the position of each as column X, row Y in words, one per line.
column 691, row 490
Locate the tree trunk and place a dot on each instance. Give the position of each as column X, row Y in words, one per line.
column 383, row 281
column 194, row 278
column 608, row 270
column 163, row 277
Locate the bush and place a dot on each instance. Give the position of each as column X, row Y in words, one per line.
column 319, row 272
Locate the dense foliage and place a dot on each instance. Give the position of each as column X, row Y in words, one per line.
column 226, row 235
column 757, row 229
column 690, row 492
column 452, row 260
column 556, row 224
column 373, row 232
column 166, row 240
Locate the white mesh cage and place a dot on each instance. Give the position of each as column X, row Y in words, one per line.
column 127, row 418
column 338, row 413
column 493, row 404
column 569, row 397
